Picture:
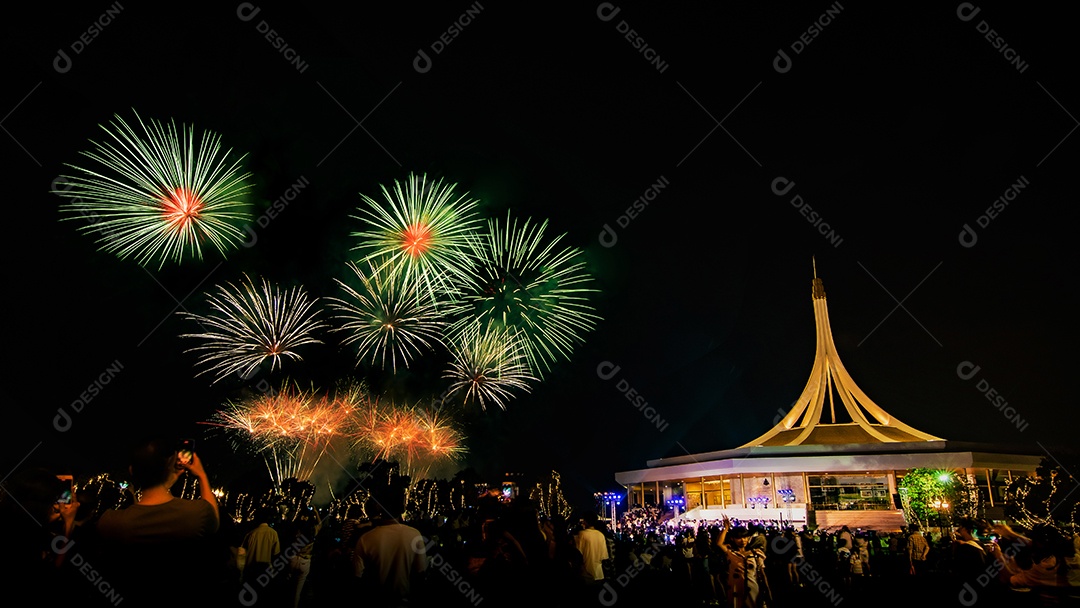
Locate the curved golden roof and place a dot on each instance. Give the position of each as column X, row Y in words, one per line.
column 828, row 378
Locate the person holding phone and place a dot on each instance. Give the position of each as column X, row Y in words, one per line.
column 185, row 453
column 970, row 557
column 151, row 542
column 64, row 511
column 37, row 513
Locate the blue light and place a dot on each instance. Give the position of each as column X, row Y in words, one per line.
column 758, row 500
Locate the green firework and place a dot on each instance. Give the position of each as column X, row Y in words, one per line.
column 156, row 192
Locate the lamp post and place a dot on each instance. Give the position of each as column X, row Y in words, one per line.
column 675, row 502
column 787, row 496
column 610, row 501
column 941, row 506
column 758, row 500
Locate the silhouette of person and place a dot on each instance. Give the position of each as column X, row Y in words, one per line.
column 390, row 557
column 151, row 543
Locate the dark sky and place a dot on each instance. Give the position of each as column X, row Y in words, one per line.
column 896, row 126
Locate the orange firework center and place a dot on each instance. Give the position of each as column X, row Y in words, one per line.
column 181, row 206
column 416, row 239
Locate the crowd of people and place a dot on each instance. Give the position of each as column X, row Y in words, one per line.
column 974, row 562
column 165, row 550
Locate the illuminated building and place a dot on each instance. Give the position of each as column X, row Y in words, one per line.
column 806, row 470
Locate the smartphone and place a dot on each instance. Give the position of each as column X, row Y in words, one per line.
column 186, row 452
column 67, row 494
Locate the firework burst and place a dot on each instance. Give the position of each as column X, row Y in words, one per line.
column 396, row 435
column 386, row 318
column 156, row 192
column 438, row 437
column 423, row 231
column 251, row 324
column 418, row 440
column 292, row 429
column 529, row 284
column 489, row 365
column 438, row 446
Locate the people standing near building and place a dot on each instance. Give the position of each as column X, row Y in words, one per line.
column 702, row 574
column 746, row 567
column 861, row 552
column 845, row 560
column 969, row 556
column 1072, row 560
column 593, row 545
column 568, row 566
column 918, row 549
column 1036, row 559
column 846, row 535
column 794, row 555
column 757, row 545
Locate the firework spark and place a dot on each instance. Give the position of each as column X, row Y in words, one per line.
column 438, row 437
column 489, row 365
column 387, row 319
column 292, row 429
column 157, row 193
column 251, row 324
column 423, row 231
column 527, row 283
column 416, row 439
column 439, row 443
column 396, row 434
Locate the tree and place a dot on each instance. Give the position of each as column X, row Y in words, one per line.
column 937, row 496
column 549, row 497
column 1046, row 498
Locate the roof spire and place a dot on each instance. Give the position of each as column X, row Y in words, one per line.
column 803, row 425
column 818, row 287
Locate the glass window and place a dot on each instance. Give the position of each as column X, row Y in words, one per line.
column 736, row 491
column 789, row 489
column 849, row 492
column 717, row 492
column 693, row 500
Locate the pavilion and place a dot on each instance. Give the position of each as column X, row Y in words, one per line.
column 805, row 470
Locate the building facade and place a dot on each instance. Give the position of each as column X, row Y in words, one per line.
column 836, row 458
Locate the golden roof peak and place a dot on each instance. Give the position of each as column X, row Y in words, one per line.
column 802, row 424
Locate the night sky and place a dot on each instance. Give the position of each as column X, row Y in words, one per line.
column 887, row 132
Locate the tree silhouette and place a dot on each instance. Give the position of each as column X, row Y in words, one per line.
column 1046, row 498
column 549, row 497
